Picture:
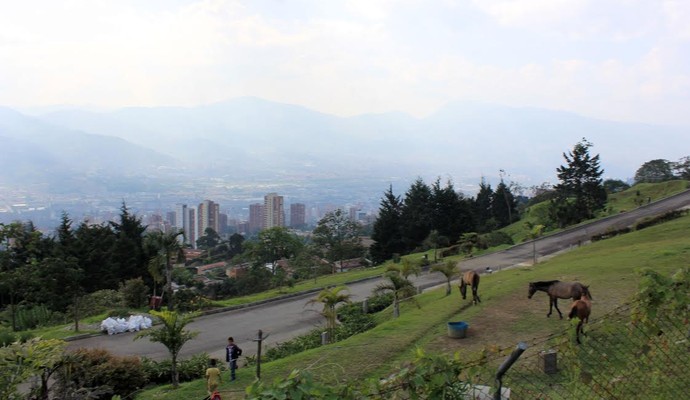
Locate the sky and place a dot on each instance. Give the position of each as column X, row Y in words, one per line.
column 623, row 60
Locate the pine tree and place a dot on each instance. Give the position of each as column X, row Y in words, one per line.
column 580, row 192
column 416, row 216
column 482, row 208
column 386, row 231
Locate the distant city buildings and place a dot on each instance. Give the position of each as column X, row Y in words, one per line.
column 208, row 216
column 256, row 218
column 274, row 213
column 297, row 216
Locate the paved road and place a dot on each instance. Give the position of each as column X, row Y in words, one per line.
column 285, row 319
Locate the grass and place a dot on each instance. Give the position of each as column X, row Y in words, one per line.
column 504, row 317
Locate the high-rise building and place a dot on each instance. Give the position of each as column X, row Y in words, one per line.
column 193, row 227
column 256, row 217
column 208, row 216
column 182, row 222
column 297, row 215
column 274, row 214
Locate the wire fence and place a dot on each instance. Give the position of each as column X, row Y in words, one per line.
column 618, row 359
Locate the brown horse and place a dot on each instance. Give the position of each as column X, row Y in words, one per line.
column 581, row 308
column 470, row 278
column 559, row 290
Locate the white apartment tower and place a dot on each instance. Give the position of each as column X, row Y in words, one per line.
column 182, row 222
column 274, row 214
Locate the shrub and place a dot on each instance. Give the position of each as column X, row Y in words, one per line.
column 187, row 300
column 7, row 338
column 33, row 317
column 99, row 371
column 134, row 293
column 158, row 372
column 102, row 300
column 497, row 238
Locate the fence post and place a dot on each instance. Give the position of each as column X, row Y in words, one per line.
column 325, row 339
column 259, row 338
column 365, row 306
column 521, row 347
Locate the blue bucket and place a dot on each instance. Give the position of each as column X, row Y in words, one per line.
column 458, row 329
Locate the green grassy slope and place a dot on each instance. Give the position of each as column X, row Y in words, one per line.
column 504, row 317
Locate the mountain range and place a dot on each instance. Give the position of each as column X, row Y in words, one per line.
column 249, row 139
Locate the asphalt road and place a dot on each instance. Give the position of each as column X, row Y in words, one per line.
column 285, row 319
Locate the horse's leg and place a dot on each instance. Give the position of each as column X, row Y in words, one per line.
column 550, row 307
column 577, row 331
column 555, row 304
column 475, row 296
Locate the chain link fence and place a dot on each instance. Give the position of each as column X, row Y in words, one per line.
column 618, row 359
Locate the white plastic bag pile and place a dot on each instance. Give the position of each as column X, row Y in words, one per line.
column 134, row 323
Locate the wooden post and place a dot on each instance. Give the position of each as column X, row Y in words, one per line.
column 259, row 338
column 365, row 306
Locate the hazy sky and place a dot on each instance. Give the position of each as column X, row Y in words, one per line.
column 615, row 59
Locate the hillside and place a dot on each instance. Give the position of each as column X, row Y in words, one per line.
column 504, row 317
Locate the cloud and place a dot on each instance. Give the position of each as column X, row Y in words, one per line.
column 622, row 59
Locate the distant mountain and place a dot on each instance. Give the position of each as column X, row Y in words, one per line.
column 35, row 152
column 249, row 138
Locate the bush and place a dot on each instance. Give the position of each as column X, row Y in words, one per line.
column 102, row 300
column 497, row 238
column 99, row 371
column 158, row 372
column 187, row 300
column 7, row 338
column 134, row 293
column 33, row 317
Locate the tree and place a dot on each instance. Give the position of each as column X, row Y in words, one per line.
column 330, row 298
column 653, row 171
column 449, row 270
column 406, row 268
column 339, row 238
column 128, row 249
column 535, row 232
column 210, row 240
column 451, row 214
column 271, row 245
column 20, row 361
column 416, row 215
column 386, row 233
column 482, row 207
column 503, row 205
column 401, row 288
column 172, row 335
column 580, row 192
column 615, row 186
column 165, row 249
column 434, row 241
column 681, row 168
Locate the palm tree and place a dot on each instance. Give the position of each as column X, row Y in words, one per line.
column 401, row 287
column 449, row 270
column 165, row 248
column 535, row 232
column 330, row 298
column 406, row 268
column 171, row 335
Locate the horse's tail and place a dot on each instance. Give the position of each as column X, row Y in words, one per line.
column 573, row 310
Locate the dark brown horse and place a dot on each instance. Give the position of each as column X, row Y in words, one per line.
column 581, row 309
column 470, row 278
column 559, row 290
